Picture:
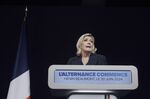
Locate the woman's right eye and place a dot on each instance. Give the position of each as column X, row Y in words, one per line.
column 85, row 40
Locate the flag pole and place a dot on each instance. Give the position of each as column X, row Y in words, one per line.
column 26, row 12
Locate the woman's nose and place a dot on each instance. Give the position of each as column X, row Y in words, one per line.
column 89, row 42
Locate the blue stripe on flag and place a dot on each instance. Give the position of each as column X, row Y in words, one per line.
column 21, row 64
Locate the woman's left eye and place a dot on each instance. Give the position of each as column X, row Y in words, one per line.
column 85, row 39
column 91, row 41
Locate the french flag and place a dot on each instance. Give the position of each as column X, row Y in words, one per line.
column 19, row 87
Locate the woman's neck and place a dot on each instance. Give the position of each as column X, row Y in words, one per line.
column 86, row 54
column 85, row 58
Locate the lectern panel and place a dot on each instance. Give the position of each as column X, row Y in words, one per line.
column 91, row 77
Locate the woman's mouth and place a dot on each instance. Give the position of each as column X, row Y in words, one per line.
column 88, row 46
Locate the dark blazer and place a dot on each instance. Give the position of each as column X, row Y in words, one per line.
column 95, row 59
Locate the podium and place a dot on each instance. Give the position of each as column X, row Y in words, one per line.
column 93, row 81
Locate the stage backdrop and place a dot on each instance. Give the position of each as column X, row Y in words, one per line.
column 52, row 32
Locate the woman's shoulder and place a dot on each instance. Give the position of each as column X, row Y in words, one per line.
column 73, row 60
column 101, row 59
column 99, row 55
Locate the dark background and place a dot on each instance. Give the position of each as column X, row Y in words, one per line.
column 120, row 29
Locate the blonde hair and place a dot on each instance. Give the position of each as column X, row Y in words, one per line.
column 80, row 40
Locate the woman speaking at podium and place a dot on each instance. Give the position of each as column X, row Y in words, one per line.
column 86, row 52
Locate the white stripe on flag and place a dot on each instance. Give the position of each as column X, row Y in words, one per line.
column 19, row 87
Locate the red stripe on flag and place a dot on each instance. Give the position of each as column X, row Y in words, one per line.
column 28, row 97
column 108, row 96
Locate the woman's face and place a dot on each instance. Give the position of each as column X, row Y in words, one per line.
column 87, row 44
